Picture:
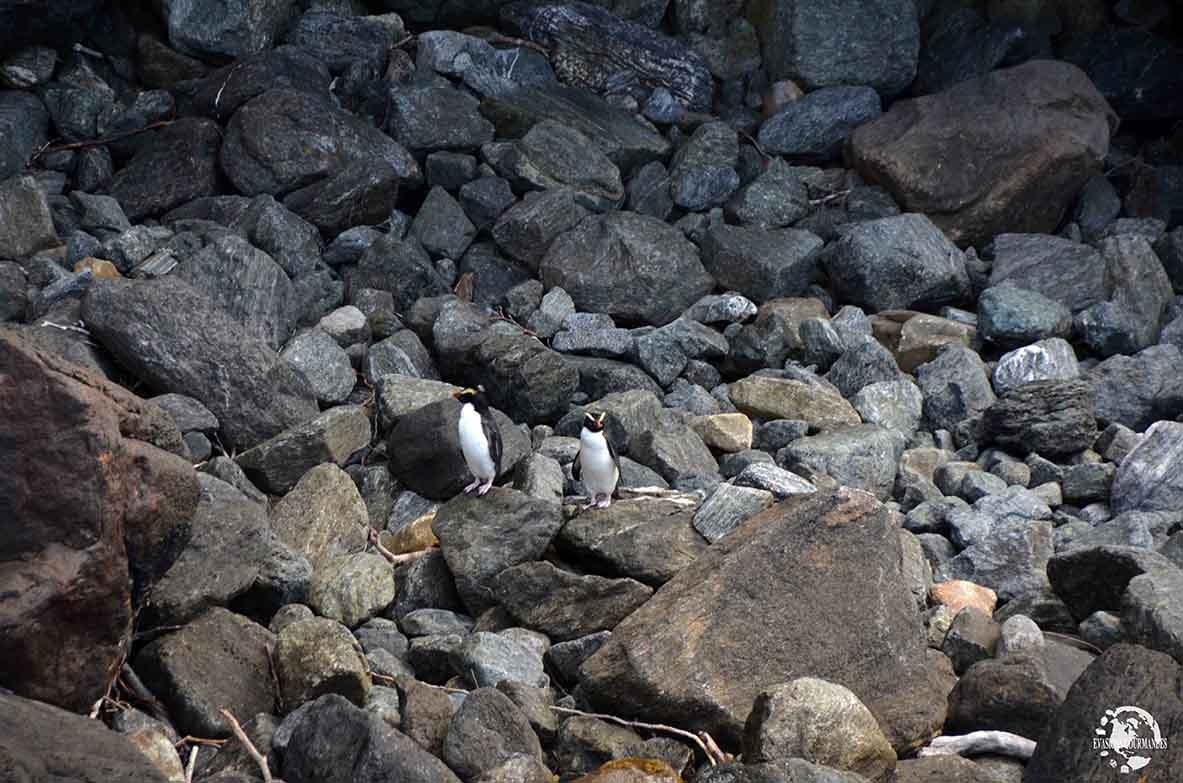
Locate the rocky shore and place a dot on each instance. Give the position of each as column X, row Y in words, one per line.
column 882, row 300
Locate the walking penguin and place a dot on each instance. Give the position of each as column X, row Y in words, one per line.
column 480, row 439
column 596, row 465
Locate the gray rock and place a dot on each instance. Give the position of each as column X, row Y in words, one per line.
column 343, row 42
column 862, row 365
column 177, row 667
column 175, row 339
column 813, row 128
column 526, row 230
column 318, row 656
column 1138, row 390
column 894, row 405
column 896, row 262
column 487, row 731
column 442, row 227
column 1147, row 479
column 1011, row 560
column 780, row 482
column 956, row 388
column 493, row 659
column 811, row 43
column 278, row 463
column 776, row 198
column 862, row 456
column 484, row 200
column 480, row 537
column 1009, row 315
column 626, row 265
column 26, row 224
column 972, row 637
column 552, row 311
column 382, row 634
column 722, row 308
column 187, row 413
column 401, row 267
column 553, row 155
column 675, row 453
column 648, row 191
column 25, row 125
column 209, row 30
column 540, row 477
column 610, row 343
column 728, row 507
column 403, row 354
column 1152, row 612
column 428, row 622
column 1058, row 269
column 323, row 363
column 761, row 264
column 1094, row 578
column 647, row 539
column 526, row 379
column 567, row 657
column 1051, row 359
column 564, row 605
column 702, row 173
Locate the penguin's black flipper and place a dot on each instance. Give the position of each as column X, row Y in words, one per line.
column 612, row 451
column 577, row 468
column 493, row 436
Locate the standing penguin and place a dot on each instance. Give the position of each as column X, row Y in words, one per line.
column 596, row 465
column 480, row 439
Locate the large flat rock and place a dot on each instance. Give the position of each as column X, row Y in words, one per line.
column 760, row 608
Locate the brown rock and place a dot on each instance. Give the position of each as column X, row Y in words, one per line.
column 778, row 398
column 74, row 476
column 413, row 537
column 99, row 267
column 727, row 432
column 1015, row 146
column 633, row 771
column 958, row 594
column 761, row 607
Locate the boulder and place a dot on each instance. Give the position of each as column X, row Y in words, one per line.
column 1148, row 478
column 863, row 456
column 563, row 605
column 1101, row 703
column 632, row 267
column 673, row 660
column 486, row 731
column 821, row 405
column 1052, row 417
column 482, row 536
column 176, row 340
column 319, row 656
column 813, row 128
column 1139, row 390
column 65, row 615
column 322, row 517
column 36, row 737
column 896, row 262
column 761, row 264
column 553, row 155
column 1016, row 114
column 173, row 166
column 216, row 31
column 26, row 223
column 276, row 464
column 1093, row 578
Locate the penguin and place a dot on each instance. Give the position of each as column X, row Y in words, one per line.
column 480, row 439
column 596, row 464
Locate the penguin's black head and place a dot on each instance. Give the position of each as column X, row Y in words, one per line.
column 594, row 422
column 475, row 396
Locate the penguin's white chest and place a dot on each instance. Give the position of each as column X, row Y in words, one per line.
column 474, row 444
column 595, row 461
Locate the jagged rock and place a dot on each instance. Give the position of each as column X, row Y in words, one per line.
column 1053, row 417
column 1152, row 613
column 702, row 173
column 553, row 155
column 813, row 128
column 1051, row 359
column 820, row 405
column 1060, row 150
column 176, row 340
column 956, row 388
column 1146, row 479
column 862, row 456
column 319, row 656
column 727, row 508
column 1139, row 390
column 1011, row 560
column 482, row 536
column 322, row 517
column 174, row 166
column 652, row 670
column 1010, row 315
column 761, row 264
column 1066, row 272
column 776, row 198
column 278, row 463
column 487, row 731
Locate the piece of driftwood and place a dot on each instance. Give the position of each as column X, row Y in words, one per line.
column 977, row 743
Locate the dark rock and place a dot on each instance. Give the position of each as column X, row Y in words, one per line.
column 1151, row 612
column 233, row 558
column 644, row 669
column 24, row 125
column 268, row 139
column 486, row 731
column 37, row 737
column 632, row 267
column 1124, row 675
column 26, row 224
column 360, row 192
column 702, row 173
column 813, row 128
column 648, row 191
column 1011, row 559
column 563, row 605
column 279, row 462
column 525, row 231
column 1011, row 694
column 1055, row 153
column 218, row 661
column 174, row 166
column 1052, row 417
column 437, row 118
column 777, row 197
column 319, row 656
column 426, row 714
column 811, row 43
column 861, row 365
column 761, row 264
column 485, row 200
column 1136, row 71
column 1013, row 316
column 675, row 453
column 1061, row 270
column 897, row 262
column 213, row 31
column 333, row 741
column 342, row 42
column 425, row 582
column 554, row 155
column 971, row 637
column 1138, row 390
column 567, row 657
column 442, row 227
column 218, row 96
column 127, row 498
column 956, row 388
column 962, row 45
column 480, row 537
column 401, row 267
column 601, row 52
column 617, row 133
column 1089, row 579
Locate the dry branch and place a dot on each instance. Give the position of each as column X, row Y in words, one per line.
column 78, row 145
column 391, row 556
column 703, row 740
column 259, row 758
column 191, row 765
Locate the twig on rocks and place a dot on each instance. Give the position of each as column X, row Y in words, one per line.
column 218, row 97
column 78, row 145
column 213, row 743
column 403, row 42
column 499, row 315
column 259, row 758
column 80, row 327
column 391, row 556
column 705, row 743
column 841, row 194
column 755, row 144
column 498, row 38
column 131, row 681
column 191, row 765
column 393, row 680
